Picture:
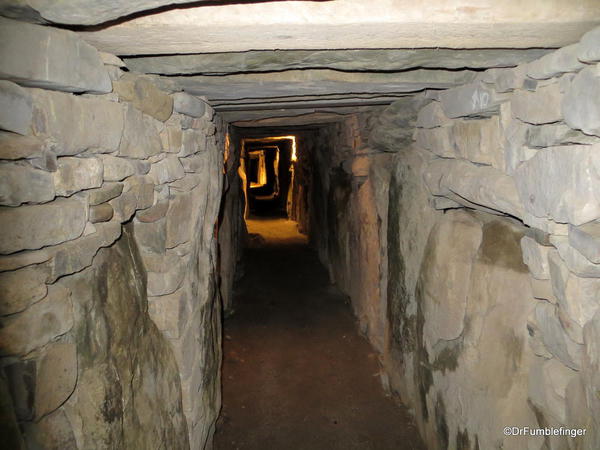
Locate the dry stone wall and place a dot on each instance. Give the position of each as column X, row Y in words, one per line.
column 110, row 334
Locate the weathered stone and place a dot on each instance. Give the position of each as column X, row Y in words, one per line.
column 432, row 116
column 56, row 377
column 151, row 236
column 39, row 324
column 21, row 288
column 586, row 239
column 14, row 146
column 47, row 161
column 140, row 136
column 194, row 163
column 142, row 187
column 536, row 258
column 101, row 213
column 124, row 206
column 153, row 213
column 187, row 183
column 551, row 135
column 556, row 63
column 562, row 183
column 111, row 60
column 542, row 289
column 76, row 174
column 169, row 312
column 35, row 226
column 580, row 106
column 470, row 100
column 575, row 261
column 554, row 338
column 163, row 283
column 179, row 220
column 16, row 108
column 193, row 142
column 538, row 107
column 144, row 95
column 479, row 141
column 477, row 185
column 117, row 169
column 589, row 47
column 172, row 139
column 189, row 105
column 53, row 431
column 438, row 140
column 548, row 382
column 20, row 183
column 106, row 192
column 76, row 255
column 506, row 79
column 50, row 63
column 23, row 259
column 167, row 170
column 76, row 123
column 114, row 73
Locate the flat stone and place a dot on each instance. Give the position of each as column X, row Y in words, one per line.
column 432, row 116
column 179, row 220
column 542, row 289
column 589, row 47
column 21, row 288
column 144, row 95
column 187, row 183
column 561, row 183
column 189, row 105
column 536, row 258
column 538, row 107
column 575, row 261
column 479, row 141
column 111, row 60
column 124, row 206
column 30, row 227
column 168, row 312
column 117, row 169
column 167, row 170
column 193, row 142
column 14, row 146
column 153, row 213
column 438, row 140
column 506, row 79
column 579, row 107
column 101, row 213
column 142, row 186
column 23, row 259
column 76, row 174
column 556, row 63
column 56, row 377
column 163, row 283
column 55, row 430
column 106, row 192
column 586, row 240
column 470, row 100
column 21, row 183
column 39, row 324
column 552, row 135
column 172, row 139
column 140, row 136
column 50, row 63
column 151, row 236
column 16, row 108
column 76, row 123
column 548, row 386
column 194, row 163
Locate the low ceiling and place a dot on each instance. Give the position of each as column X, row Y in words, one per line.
column 300, row 61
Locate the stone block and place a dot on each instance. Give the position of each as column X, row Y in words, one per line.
column 23, row 259
column 163, row 283
column 187, row 183
column 589, row 46
column 193, row 142
column 117, row 169
column 169, row 312
column 14, row 146
column 189, row 105
column 542, row 289
column 536, row 258
column 143, row 188
column 56, row 377
column 470, row 100
column 185, row 348
column 104, row 193
column 580, row 105
column 21, row 288
column 562, row 183
column 552, row 135
column 153, row 213
column 76, row 123
column 194, row 163
column 140, row 135
column 479, row 141
column 432, row 116
column 575, row 261
column 50, row 58
column 39, row 324
column 437, row 140
column 556, row 63
column 124, row 206
column 144, row 95
column 151, row 236
column 586, row 240
column 101, row 213
column 166, row 170
column 76, row 174
column 539, row 106
column 506, row 79
column 21, row 183
column 179, row 220
column 111, row 60
column 16, row 108
column 30, row 227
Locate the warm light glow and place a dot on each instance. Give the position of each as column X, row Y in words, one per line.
column 277, row 138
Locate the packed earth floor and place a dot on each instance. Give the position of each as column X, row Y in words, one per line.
column 296, row 373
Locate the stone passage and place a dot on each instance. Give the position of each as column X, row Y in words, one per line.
column 296, row 373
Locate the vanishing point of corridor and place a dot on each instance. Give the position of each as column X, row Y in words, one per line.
column 296, row 373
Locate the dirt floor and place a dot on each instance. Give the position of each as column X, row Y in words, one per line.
column 296, row 373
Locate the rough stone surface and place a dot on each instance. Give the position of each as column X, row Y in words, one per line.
column 106, row 192
column 35, row 226
column 475, row 99
column 536, row 258
column 479, row 141
column 140, row 136
column 579, row 107
column 189, row 105
column 586, row 239
column 588, row 47
column 24, row 184
column 166, row 170
column 556, row 63
column 101, row 213
column 14, row 146
column 145, row 96
column 21, row 288
column 575, row 261
column 50, row 63
column 117, row 169
column 538, row 107
column 75, row 174
column 16, row 108
column 56, row 377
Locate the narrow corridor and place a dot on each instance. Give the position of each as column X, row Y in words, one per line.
column 296, row 373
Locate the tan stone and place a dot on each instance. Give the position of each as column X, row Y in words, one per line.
column 56, row 377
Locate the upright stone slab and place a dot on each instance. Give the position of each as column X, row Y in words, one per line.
column 46, row 57
column 15, row 108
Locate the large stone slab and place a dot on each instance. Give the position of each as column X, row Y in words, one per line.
column 479, row 141
column 536, row 258
column 14, row 146
column 144, row 95
column 21, row 183
column 50, row 58
column 56, row 377
column 580, row 106
column 586, row 239
column 166, row 170
column 562, row 183
column 140, row 135
column 189, row 105
column 575, row 261
column 76, row 123
column 470, row 100
column 21, row 288
column 76, row 174
column 104, row 193
column 589, row 47
column 16, row 108
column 556, row 63
column 432, row 116
column 35, row 226
column 539, row 106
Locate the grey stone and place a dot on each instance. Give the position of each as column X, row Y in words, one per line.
column 50, row 63
column 470, row 100
column 542, row 289
column 21, row 288
column 117, row 169
column 187, row 183
column 575, row 261
column 140, row 135
column 151, row 236
column 16, row 108
column 54, row 430
column 432, row 116
column 101, row 213
column 172, row 139
column 35, row 226
column 479, row 141
column 56, row 377
column 536, row 258
column 124, row 206
column 76, row 123
column 163, row 283
column 104, row 193
column 153, row 213
column 76, row 174
column 168, row 312
column 539, row 107
column 586, row 240
column 23, row 259
column 438, row 140
column 142, row 186
column 14, row 146
column 589, row 47
column 144, row 95
column 189, row 105
column 551, row 135
column 39, row 324
column 194, row 163
column 561, row 183
column 506, row 79
column 167, row 170
column 47, row 161
column 580, row 106
column 193, row 142
column 556, row 63
column 23, row 184
column 179, row 220
column 111, row 60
